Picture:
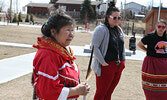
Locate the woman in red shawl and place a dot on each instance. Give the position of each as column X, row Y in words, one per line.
column 55, row 74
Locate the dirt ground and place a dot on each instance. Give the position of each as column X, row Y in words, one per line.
column 129, row 87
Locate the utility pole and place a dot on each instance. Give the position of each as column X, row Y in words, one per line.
column 16, row 6
column 152, row 4
column 124, row 10
column 159, row 13
column 10, row 11
column 11, row 5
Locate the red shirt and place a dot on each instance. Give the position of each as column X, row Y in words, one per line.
column 54, row 71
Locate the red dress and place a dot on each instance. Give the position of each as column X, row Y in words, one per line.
column 154, row 68
column 54, row 71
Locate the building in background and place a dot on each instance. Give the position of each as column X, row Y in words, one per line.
column 152, row 18
column 136, row 8
column 72, row 7
column 101, row 9
column 38, row 9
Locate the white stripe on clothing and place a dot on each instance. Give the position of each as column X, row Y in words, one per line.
column 68, row 78
column 48, row 76
column 66, row 64
column 64, row 94
column 54, row 78
column 76, row 67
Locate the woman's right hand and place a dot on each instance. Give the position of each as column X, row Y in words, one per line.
column 80, row 89
column 104, row 64
column 83, row 88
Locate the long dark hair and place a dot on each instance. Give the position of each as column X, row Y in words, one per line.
column 56, row 22
column 112, row 8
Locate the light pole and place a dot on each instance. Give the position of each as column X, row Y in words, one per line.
column 152, row 4
column 10, row 11
column 159, row 11
column 124, row 10
column 16, row 6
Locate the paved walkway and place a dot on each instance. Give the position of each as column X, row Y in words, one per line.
column 15, row 24
column 15, row 67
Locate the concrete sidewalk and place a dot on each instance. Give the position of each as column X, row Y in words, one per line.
column 15, row 67
column 15, row 24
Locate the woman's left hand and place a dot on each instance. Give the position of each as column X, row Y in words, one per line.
column 104, row 64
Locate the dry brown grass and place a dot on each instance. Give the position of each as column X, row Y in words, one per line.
column 129, row 87
column 18, row 34
column 28, row 35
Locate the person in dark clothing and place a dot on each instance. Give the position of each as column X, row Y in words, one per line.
column 154, row 68
column 109, row 54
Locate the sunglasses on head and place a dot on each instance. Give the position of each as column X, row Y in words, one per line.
column 115, row 17
column 159, row 26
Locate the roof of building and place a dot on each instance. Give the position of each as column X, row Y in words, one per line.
column 135, row 3
column 76, row 2
column 157, row 8
column 45, row 5
column 151, row 12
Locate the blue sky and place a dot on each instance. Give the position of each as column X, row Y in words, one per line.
column 22, row 3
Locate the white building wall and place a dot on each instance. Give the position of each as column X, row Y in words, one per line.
column 103, row 7
column 134, row 7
